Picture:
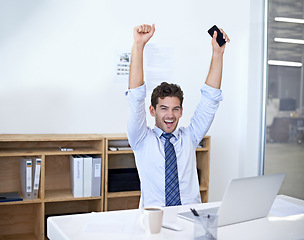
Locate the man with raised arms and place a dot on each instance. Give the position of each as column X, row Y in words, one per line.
column 165, row 155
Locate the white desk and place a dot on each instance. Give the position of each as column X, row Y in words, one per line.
column 125, row 225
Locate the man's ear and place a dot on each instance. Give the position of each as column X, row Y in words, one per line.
column 152, row 111
column 181, row 113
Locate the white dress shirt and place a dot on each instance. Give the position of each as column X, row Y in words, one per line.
column 148, row 147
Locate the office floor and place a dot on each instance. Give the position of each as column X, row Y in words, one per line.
column 288, row 158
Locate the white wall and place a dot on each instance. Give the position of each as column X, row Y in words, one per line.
column 57, row 69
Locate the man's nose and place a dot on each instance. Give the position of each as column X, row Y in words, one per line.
column 170, row 113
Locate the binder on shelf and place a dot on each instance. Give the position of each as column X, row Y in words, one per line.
column 26, row 177
column 96, row 176
column 36, row 176
column 10, row 197
column 87, row 176
column 76, row 168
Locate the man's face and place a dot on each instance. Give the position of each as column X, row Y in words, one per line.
column 167, row 113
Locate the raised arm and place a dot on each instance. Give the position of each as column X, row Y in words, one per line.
column 142, row 34
column 214, row 77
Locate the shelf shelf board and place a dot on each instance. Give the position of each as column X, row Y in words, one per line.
column 24, row 201
column 64, row 195
column 120, row 152
column 123, row 194
column 49, row 137
column 202, row 189
column 45, row 151
column 203, row 149
column 25, row 236
column 116, row 136
column 130, row 151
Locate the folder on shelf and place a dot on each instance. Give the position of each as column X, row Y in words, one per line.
column 10, row 197
column 96, row 176
column 76, row 168
column 26, row 177
column 87, row 176
column 36, row 176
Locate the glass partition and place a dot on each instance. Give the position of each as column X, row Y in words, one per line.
column 284, row 123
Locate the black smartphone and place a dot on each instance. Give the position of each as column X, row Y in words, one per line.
column 220, row 40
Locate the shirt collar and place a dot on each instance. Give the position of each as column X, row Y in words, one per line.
column 159, row 132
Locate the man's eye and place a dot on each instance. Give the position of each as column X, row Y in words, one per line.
column 163, row 109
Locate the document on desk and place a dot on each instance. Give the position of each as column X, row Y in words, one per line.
column 283, row 208
column 100, row 223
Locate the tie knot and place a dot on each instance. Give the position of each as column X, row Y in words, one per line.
column 167, row 136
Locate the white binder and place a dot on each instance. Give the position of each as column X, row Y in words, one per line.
column 36, row 176
column 76, row 173
column 87, row 176
column 96, row 176
column 25, row 165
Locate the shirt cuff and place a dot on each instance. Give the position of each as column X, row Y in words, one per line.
column 212, row 93
column 138, row 93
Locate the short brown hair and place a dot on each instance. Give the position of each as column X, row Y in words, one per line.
column 166, row 90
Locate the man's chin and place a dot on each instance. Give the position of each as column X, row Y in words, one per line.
column 169, row 129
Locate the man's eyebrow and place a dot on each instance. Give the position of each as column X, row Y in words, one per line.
column 168, row 107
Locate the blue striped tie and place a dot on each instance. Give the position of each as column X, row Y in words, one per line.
column 171, row 178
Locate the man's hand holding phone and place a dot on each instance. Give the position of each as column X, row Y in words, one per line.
column 219, row 39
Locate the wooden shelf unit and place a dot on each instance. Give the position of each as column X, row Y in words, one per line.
column 118, row 160
column 126, row 159
column 26, row 219
column 203, row 166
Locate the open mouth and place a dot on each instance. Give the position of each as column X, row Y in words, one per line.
column 168, row 122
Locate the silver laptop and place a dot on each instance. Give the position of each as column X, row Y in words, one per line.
column 245, row 199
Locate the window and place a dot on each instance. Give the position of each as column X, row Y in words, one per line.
column 284, row 128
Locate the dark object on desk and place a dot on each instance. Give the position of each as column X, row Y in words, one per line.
column 125, row 179
column 194, row 212
column 220, row 40
column 288, row 104
column 10, row 197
